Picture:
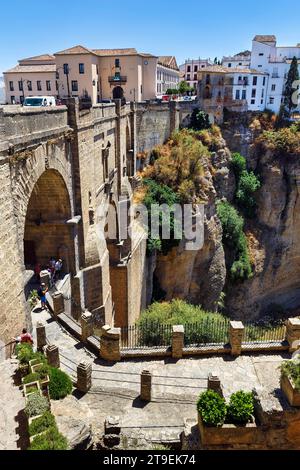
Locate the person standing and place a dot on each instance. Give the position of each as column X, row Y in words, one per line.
column 58, row 268
column 42, row 295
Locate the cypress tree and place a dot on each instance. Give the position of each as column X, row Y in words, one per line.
column 289, row 90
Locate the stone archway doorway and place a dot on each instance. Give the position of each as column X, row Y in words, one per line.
column 46, row 232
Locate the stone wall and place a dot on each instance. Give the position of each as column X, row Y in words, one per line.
column 58, row 167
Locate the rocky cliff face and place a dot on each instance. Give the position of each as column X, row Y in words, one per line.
column 199, row 276
column 274, row 236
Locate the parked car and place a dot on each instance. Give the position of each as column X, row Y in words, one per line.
column 39, row 101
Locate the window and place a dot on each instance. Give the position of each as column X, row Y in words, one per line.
column 272, row 100
column 29, row 85
column 56, row 85
column 229, row 65
column 252, row 101
column 13, row 100
column 57, row 75
column 20, row 85
column 117, row 63
column 195, row 76
column 48, row 85
column 81, row 68
column 261, row 54
column 11, row 86
column 240, row 63
column 262, row 102
column 262, row 93
column 74, row 85
column 196, row 68
column 273, row 88
column 244, row 95
column 188, row 77
column 253, row 94
column 188, row 68
column 39, row 85
column 66, row 69
column 254, row 81
column 259, row 66
column 237, row 95
column 264, row 81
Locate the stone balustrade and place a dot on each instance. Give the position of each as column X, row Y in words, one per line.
column 110, row 343
column 146, row 385
column 87, row 326
column 41, row 339
column 52, row 353
column 236, row 335
column 177, row 341
column 84, row 376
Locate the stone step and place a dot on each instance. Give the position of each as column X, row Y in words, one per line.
column 70, row 325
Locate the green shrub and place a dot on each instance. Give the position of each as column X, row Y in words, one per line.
column 39, row 358
column 291, row 369
column 235, row 240
column 50, row 440
column 248, row 185
column 212, row 408
column 60, row 384
column 153, row 322
column 42, row 370
column 41, row 423
column 33, row 298
column 240, row 408
column 24, row 352
column 36, row 405
column 239, row 164
column 31, row 378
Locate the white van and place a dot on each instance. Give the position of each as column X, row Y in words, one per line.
column 40, row 101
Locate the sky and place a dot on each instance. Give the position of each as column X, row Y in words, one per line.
column 190, row 29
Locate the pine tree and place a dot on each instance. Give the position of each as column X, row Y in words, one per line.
column 289, row 90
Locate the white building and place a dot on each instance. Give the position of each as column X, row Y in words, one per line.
column 241, row 60
column 167, row 74
column 267, row 69
column 190, row 69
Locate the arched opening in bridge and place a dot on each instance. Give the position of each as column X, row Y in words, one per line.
column 118, row 93
column 46, row 232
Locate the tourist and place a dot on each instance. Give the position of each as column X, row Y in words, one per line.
column 25, row 337
column 58, row 268
column 42, row 295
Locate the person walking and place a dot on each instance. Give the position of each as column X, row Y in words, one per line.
column 42, row 295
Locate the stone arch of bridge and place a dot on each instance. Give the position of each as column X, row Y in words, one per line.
column 46, row 231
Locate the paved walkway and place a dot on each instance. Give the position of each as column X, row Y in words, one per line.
column 176, row 386
column 12, row 404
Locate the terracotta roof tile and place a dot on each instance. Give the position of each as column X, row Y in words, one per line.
column 32, row 68
column 109, row 52
column 75, row 50
column 265, row 38
column 42, row 57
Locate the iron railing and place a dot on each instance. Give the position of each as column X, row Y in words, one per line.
column 207, row 331
column 261, row 333
column 150, row 334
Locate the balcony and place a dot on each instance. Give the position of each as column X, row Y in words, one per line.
column 117, row 79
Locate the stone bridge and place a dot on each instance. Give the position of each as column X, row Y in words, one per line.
column 58, row 167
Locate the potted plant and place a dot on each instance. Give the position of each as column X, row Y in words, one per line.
column 42, row 370
column 31, row 384
column 221, row 424
column 290, row 381
column 36, row 405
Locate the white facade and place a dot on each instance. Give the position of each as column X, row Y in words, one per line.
column 167, row 75
column 190, row 69
column 269, row 65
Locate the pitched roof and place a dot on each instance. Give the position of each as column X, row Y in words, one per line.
column 265, row 38
column 75, row 50
column 168, row 61
column 37, row 58
column 109, row 52
column 32, row 68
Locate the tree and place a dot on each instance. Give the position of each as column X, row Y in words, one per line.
column 184, row 87
column 289, row 91
column 199, row 120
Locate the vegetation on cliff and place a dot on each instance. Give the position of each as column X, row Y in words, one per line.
column 235, row 240
column 247, row 185
column 284, row 141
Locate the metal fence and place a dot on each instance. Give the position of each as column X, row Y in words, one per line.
column 208, row 331
column 150, row 334
column 262, row 333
